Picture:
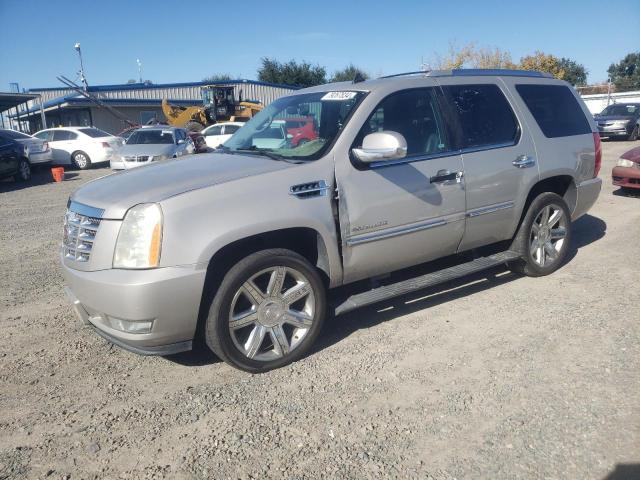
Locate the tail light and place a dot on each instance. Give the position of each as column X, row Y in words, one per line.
column 597, row 143
column 106, row 144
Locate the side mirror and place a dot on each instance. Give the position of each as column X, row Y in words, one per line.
column 381, row 146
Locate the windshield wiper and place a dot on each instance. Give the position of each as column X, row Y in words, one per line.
column 261, row 151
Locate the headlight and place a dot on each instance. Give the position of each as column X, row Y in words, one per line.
column 620, row 123
column 140, row 238
column 622, row 162
column 157, row 158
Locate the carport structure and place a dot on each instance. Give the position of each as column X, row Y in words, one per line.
column 10, row 101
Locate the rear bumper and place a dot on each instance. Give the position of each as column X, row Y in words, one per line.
column 40, row 158
column 587, row 194
column 169, row 297
column 628, row 177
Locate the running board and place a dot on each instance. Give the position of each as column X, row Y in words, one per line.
column 424, row 281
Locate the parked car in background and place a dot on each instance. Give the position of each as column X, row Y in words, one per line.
column 626, row 173
column 271, row 137
column 216, row 135
column 238, row 249
column 35, row 150
column 301, row 130
column 80, row 146
column 152, row 144
column 13, row 161
column 196, row 137
column 619, row 120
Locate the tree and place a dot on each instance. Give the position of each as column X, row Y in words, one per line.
column 301, row 74
column 574, row 72
column 348, row 73
column 470, row 56
column 543, row 62
column 217, row 77
column 625, row 75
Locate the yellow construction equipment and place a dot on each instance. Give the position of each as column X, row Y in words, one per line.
column 219, row 104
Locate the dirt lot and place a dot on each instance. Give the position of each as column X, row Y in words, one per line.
column 497, row 376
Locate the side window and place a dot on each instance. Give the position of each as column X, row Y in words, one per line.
column 415, row 115
column 61, row 135
column 72, row 136
column 484, row 115
column 555, row 109
column 230, row 129
column 215, row 130
column 46, row 135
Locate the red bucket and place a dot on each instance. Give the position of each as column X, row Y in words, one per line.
column 57, row 173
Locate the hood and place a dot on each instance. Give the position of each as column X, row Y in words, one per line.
column 118, row 192
column 147, row 149
column 633, row 155
column 610, row 118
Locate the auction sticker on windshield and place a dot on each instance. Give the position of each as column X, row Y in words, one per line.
column 339, row 95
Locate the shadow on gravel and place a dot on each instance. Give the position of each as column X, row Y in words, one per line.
column 625, row 471
column 198, row 357
column 39, row 176
column 627, row 192
column 586, row 230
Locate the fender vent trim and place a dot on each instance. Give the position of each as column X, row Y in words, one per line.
column 319, row 188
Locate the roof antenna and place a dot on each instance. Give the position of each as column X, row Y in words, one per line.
column 358, row 77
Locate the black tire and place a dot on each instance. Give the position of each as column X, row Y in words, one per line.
column 525, row 239
column 218, row 334
column 81, row 160
column 634, row 134
column 24, row 171
column 193, row 126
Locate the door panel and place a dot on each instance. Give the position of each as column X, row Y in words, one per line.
column 8, row 157
column 499, row 159
column 392, row 215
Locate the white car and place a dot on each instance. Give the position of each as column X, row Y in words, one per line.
column 219, row 133
column 80, row 146
column 37, row 151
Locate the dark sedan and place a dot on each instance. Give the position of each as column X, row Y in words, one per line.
column 619, row 120
column 13, row 162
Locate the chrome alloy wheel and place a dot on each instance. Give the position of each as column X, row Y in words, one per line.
column 271, row 313
column 81, row 160
column 548, row 233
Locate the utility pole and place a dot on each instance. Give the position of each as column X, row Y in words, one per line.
column 83, row 79
column 139, row 69
column 608, row 91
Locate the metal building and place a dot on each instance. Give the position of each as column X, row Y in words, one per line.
column 139, row 102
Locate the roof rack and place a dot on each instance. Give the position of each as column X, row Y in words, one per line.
column 468, row 72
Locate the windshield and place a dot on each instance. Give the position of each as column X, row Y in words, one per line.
column 326, row 113
column 15, row 135
column 94, row 132
column 622, row 110
column 147, row 137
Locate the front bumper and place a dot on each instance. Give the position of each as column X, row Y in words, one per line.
column 169, row 296
column 587, row 194
column 628, row 177
column 615, row 132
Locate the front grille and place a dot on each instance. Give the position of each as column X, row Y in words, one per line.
column 79, row 234
column 136, row 158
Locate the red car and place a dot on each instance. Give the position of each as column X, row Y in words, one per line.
column 626, row 173
column 301, row 129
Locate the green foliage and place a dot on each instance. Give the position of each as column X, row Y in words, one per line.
column 574, row 72
column 217, row 77
column 543, row 62
column 625, row 75
column 348, row 73
column 301, row 74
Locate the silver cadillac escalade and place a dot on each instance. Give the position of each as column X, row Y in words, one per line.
column 242, row 249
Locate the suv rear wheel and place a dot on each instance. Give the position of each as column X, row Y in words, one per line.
column 267, row 312
column 544, row 236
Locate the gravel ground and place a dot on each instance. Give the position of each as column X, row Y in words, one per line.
column 497, row 376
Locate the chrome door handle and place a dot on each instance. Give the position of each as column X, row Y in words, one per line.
column 443, row 176
column 524, row 161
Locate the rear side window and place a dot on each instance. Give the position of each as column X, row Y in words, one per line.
column 229, row 129
column 484, row 115
column 94, row 132
column 61, row 135
column 555, row 109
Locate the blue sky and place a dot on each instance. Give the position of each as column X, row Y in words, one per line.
column 180, row 41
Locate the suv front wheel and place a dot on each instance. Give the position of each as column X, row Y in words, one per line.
column 267, row 312
column 544, row 236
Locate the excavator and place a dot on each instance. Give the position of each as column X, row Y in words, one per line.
column 219, row 104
